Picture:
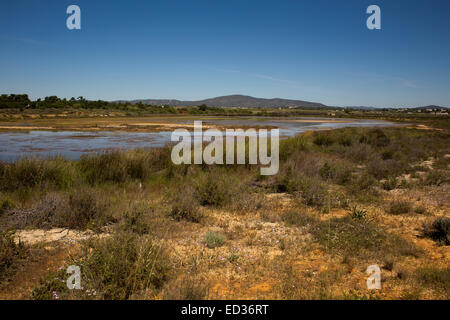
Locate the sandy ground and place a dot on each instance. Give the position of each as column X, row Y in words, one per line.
column 260, row 270
column 34, row 236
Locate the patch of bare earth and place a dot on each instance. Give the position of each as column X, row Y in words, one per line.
column 49, row 250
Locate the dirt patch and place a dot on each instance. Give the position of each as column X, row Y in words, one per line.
column 40, row 262
column 31, row 237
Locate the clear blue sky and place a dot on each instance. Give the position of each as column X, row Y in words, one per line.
column 310, row 50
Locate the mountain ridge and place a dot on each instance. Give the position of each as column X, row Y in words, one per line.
column 245, row 101
column 235, row 100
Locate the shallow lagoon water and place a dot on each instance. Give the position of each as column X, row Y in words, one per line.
column 73, row 144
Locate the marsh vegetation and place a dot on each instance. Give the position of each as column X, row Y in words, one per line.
column 343, row 199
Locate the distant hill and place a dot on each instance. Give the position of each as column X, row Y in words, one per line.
column 243, row 101
column 433, row 107
column 236, row 101
column 361, row 108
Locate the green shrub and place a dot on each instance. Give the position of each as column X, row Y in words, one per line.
column 108, row 166
column 323, row 139
column 187, row 288
column 119, row 166
column 288, row 147
column 247, row 201
column 376, row 138
column 399, row 207
column 435, row 277
column 362, row 182
column 360, row 237
column 141, row 164
column 10, row 254
column 357, row 295
column 86, row 209
column 338, row 172
column 122, row 265
column 296, row 218
column 387, row 154
column 390, row 183
column 311, row 192
column 135, row 221
column 214, row 239
column 437, row 177
column 379, row 168
column 357, row 213
column 421, row 209
column 184, row 206
column 326, row 171
column 33, row 172
column 344, row 139
column 283, row 180
column 438, row 230
column 358, row 152
column 215, row 188
column 212, row 192
column 52, row 287
column 6, row 204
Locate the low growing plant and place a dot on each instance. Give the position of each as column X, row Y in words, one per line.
column 214, row 239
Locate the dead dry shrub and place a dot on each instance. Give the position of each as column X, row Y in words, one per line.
column 78, row 209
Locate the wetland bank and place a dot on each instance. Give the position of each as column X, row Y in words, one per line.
column 72, row 138
column 141, row 227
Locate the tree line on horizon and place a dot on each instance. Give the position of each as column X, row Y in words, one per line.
column 22, row 101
